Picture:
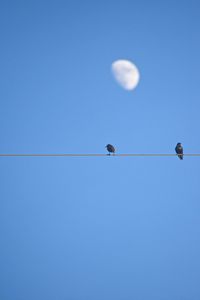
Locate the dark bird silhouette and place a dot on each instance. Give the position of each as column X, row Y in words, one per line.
column 179, row 150
column 110, row 149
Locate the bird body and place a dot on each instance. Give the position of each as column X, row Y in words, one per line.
column 179, row 150
column 110, row 148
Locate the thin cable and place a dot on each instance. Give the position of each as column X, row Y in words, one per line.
column 89, row 154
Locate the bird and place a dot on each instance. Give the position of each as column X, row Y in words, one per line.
column 179, row 150
column 110, row 148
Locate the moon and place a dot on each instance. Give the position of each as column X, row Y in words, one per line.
column 126, row 74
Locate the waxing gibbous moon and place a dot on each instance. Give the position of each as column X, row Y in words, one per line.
column 126, row 74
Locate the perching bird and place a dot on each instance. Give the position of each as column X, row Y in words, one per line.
column 110, row 149
column 179, row 150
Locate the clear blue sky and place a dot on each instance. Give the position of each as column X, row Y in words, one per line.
column 98, row 228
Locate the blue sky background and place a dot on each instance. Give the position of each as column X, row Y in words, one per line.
column 99, row 227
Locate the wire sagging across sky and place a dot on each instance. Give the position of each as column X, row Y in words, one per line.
column 90, row 154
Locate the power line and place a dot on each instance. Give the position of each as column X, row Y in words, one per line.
column 90, row 154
